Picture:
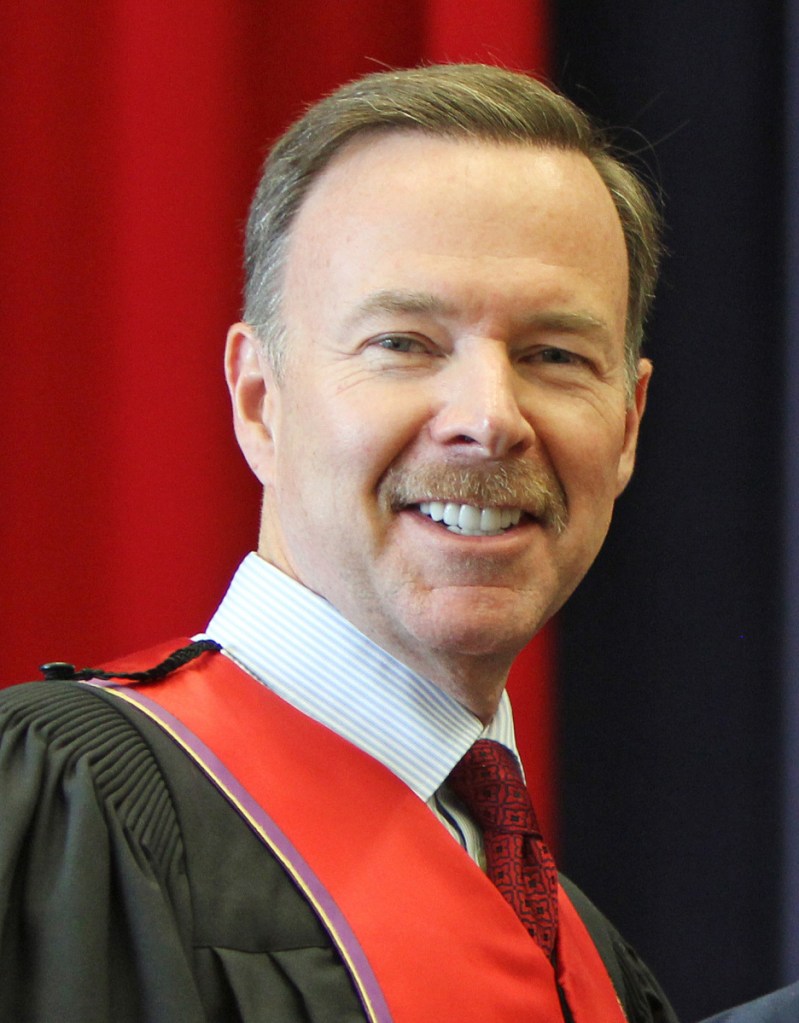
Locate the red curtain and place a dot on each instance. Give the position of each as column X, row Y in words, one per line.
column 132, row 135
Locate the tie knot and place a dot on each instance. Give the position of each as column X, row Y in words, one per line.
column 488, row 782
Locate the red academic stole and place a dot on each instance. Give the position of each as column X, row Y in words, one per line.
column 425, row 934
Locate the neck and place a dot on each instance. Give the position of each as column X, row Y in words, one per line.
column 477, row 683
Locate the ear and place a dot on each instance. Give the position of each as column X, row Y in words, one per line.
column 632, row 425
column 251, row 384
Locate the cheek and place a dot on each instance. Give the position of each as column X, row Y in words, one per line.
column 327, row 462
column 585, row 454
column 364, row 438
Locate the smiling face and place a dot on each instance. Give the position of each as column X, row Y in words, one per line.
column 441, row 456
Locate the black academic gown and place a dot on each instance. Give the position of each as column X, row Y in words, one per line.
column 130, row 890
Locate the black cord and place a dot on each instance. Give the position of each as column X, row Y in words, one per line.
column 64, row 672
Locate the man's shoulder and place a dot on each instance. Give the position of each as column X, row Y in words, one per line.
column 53, row 710
column 61, row 709
column 778, row 1007
column 67, row 738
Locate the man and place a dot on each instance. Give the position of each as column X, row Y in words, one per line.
column 439, row 384
column 778, row 1007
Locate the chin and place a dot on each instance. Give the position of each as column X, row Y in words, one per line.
column 477, row 635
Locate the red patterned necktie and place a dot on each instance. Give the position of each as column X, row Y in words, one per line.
column 489, row 784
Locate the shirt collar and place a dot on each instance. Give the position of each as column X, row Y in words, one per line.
column 302, row 648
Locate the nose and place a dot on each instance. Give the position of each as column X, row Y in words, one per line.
column 481, row 404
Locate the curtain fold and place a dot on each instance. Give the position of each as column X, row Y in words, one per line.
column 132, row 137
column 790, row 666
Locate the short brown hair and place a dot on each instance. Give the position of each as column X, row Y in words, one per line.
column 458, row 101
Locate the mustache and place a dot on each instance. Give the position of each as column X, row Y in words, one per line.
column 534, row 489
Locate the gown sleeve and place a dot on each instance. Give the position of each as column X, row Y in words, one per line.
column 95, row 918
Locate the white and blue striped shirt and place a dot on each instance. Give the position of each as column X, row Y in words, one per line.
column 298, row 644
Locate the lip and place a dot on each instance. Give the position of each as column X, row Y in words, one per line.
column 511, row 538
column 470, row 518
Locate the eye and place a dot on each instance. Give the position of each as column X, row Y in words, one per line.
column 556, row 357
column 560, row 356
column 401, row 343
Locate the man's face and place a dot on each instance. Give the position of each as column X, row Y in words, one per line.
column 455, row 314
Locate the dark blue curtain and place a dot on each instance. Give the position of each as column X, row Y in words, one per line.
column 671, row 691
column 790, row 951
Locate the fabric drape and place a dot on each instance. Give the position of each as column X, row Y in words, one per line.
column 132, row 137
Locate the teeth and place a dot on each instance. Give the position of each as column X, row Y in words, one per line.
column 435, row 511
column 451, row 514
column 490, row 520
column 469, row 520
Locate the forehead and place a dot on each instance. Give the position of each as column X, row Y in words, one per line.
column 410, row 211
column 416, row 160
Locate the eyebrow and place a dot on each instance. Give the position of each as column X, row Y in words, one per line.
column 390, row 301
column 398, row 301
column 567, row 322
